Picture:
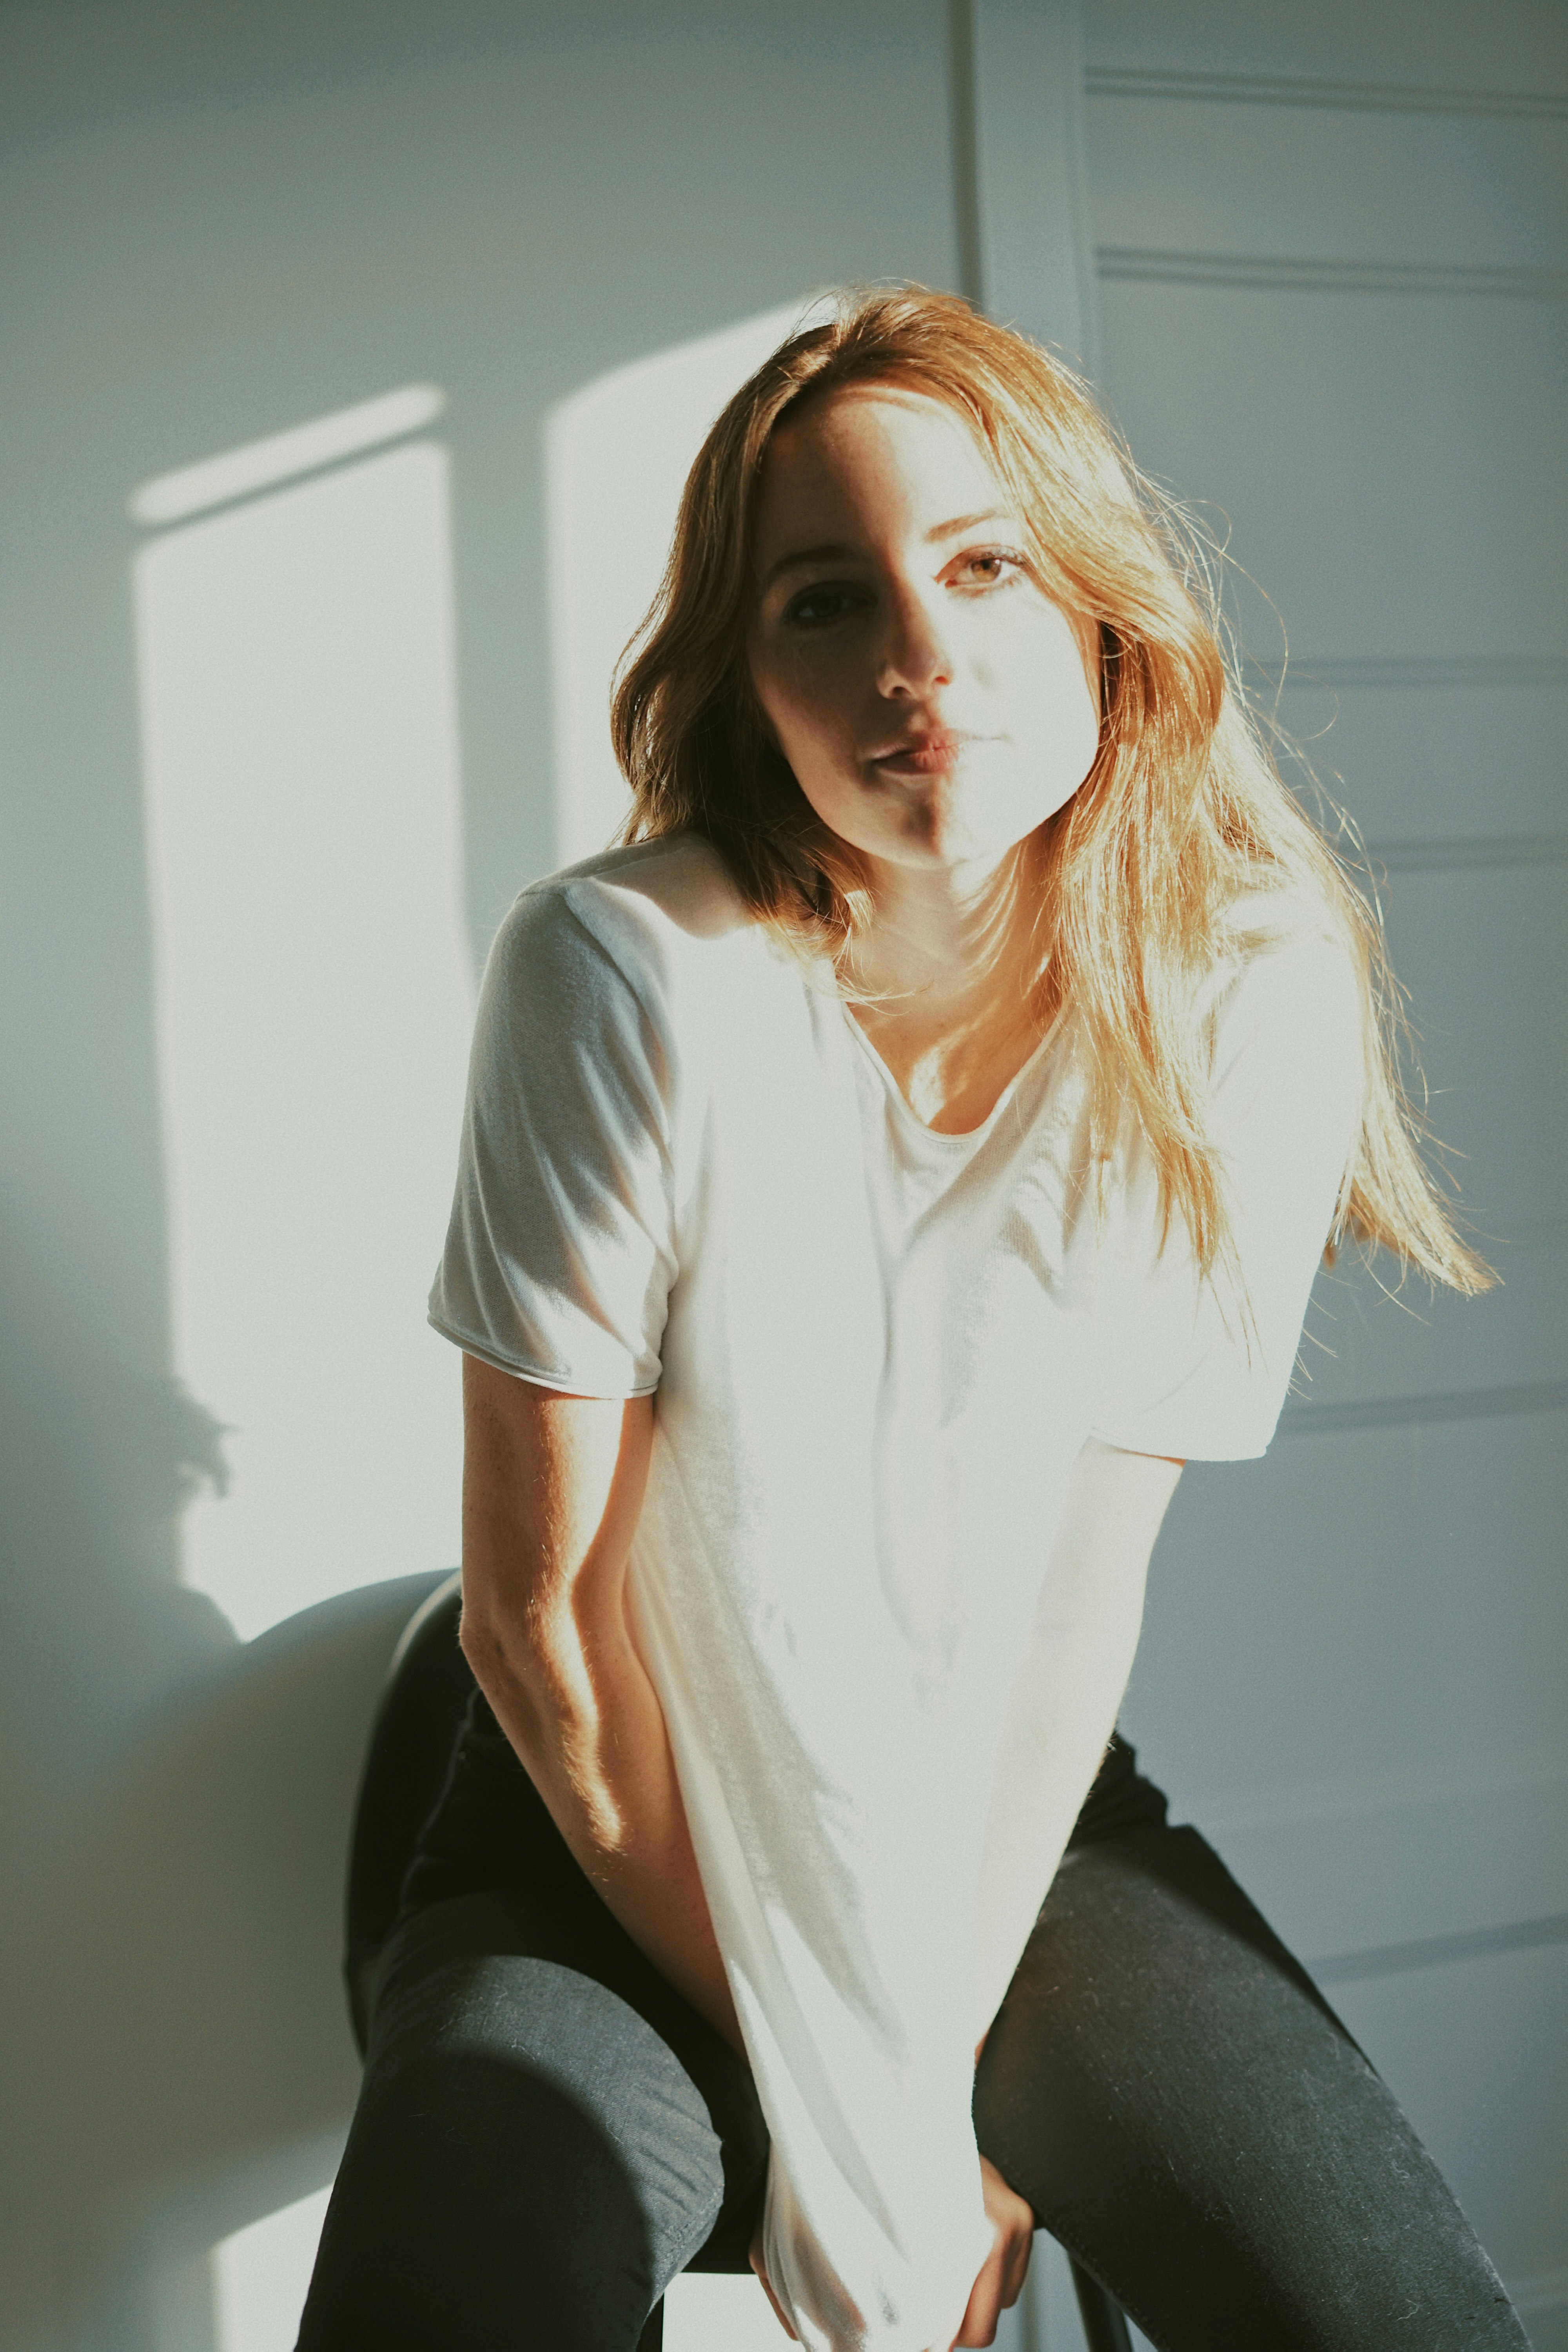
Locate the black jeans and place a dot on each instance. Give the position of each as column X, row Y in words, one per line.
column 548, row 2134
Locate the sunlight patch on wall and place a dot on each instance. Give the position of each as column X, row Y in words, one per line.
column 617, row 456
column 261, row 2276
column 297, row 691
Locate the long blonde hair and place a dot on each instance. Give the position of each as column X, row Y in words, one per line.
column 1180, row 817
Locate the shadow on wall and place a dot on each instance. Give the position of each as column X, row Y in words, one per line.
column 185, row 2062
column 101, row 1460
column 177, row 1811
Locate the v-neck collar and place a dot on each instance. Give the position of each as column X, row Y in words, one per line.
column 942, row 1138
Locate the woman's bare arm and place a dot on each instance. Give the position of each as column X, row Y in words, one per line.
column 552, row 1488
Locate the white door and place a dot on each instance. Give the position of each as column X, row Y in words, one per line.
column 1317, row 258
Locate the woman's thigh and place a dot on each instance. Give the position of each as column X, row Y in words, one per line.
column 546, row 2134
column 1187, row 2115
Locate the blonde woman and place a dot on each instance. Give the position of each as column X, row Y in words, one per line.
column 881, row 1173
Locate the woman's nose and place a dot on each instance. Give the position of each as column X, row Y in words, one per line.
column 913, row 655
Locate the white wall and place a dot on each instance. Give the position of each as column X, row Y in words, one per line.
column 279, row 751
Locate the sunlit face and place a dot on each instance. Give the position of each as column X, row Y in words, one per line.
column 934, row 705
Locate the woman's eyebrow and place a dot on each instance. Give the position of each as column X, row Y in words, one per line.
column 965, row 523
column 799, row 559
column 840, row 551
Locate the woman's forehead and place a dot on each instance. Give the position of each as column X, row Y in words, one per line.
column 874, row 446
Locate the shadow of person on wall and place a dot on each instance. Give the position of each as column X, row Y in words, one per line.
column 177, row 1816
column 99, row 1459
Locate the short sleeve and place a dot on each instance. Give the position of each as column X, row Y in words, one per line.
column 1199, row 1371
column 558, row 1255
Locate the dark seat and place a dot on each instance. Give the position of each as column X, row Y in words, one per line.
column 411, row 1739
column 427, row 1687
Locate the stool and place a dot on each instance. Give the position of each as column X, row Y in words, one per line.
column 427, row 1687
column 1104, row 2328
column 405, row 1770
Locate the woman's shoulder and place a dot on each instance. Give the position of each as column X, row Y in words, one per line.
column 1286, row 1001
column 648, row 913
column 680, row 879
column 679, row 884
column 1289, row 943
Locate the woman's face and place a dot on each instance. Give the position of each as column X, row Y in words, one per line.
column 934, row 705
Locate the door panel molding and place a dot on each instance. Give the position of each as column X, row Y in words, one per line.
column 1305, row 1418
column 1438, row 857
column 1350, row 1676
column 1435, row 1951
column 1419, row 670
column 1288, row 89
column 1155, row 265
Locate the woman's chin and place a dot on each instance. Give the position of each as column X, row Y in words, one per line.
column 968, row 850
column 964, row 825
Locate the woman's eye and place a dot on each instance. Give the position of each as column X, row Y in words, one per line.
column 989, row 567
column 813, row 608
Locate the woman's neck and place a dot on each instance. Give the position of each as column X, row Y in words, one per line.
column 945, row 978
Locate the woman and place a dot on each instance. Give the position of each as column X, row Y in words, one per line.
column 879, row 1175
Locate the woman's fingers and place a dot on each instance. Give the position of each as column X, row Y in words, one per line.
column 984, row 2306
column 1002, row 2274
column 1013, row 2218
column 1005, row 2267
column 760, row 2266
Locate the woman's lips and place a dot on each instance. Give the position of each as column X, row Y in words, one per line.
column 922, row 755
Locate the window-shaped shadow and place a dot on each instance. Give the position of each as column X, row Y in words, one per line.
column 297, row 681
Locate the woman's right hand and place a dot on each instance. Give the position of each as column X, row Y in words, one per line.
column 1002, row 2274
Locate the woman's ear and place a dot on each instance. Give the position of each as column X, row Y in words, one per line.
column 1091, row 639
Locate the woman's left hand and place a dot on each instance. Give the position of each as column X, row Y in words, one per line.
column 1006, row 2266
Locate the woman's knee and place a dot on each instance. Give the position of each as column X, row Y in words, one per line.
column 1186, row 2113
column 529, row 2161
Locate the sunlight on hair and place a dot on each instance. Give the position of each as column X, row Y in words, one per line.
column 313, row 996
column 616, row 456
column 260, row 2276
column 1181, row 855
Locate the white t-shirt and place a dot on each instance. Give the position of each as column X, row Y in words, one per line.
column 877, row 1352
